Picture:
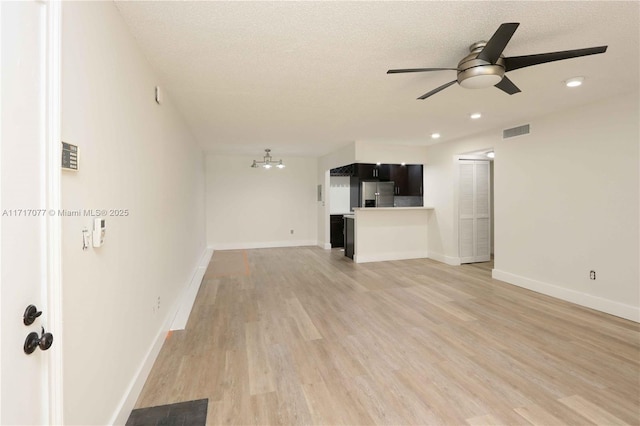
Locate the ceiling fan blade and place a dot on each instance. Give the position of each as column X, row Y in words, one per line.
column 436, row 90
column 496, row 44
column 507, row 86
column 420, row 70
column 516, row 62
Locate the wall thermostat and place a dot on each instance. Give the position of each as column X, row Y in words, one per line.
column 98, row 232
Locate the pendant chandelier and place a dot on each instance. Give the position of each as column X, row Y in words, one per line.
column 267, row 161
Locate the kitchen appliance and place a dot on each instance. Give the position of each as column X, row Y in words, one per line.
column 377, row 194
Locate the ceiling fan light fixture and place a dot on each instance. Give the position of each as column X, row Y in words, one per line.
column 475, row 115
column 481, row 81
column 574, row 82
column 485, row 65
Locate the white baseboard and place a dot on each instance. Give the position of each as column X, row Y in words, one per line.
column 130, row 397
column 128, row 401
column 326, row 246
column 189, row 296
column 583, row 299
column 381, row 257
column 449, row 260
column 269, row 244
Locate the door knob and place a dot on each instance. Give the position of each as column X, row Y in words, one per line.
column 46, row 340
column 30, row 314
column 34, row 341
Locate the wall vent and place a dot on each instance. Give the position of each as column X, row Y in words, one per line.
column 515, row 131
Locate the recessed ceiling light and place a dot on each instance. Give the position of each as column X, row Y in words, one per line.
column 403, row 164
column 378, row 163
column 574, row 82
column 491, row 154
column 475, row 115
column 435, row 135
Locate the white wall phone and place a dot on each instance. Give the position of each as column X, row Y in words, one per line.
column 98, row 232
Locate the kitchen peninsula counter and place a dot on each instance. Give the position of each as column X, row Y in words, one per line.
column 390, row 233
column 390, row 208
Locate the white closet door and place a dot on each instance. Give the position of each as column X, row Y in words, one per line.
column 474, row 211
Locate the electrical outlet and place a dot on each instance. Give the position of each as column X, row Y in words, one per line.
column 592, row 275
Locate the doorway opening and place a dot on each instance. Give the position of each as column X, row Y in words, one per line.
column 475, row 206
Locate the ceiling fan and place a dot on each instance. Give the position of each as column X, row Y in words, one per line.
column 485, row 66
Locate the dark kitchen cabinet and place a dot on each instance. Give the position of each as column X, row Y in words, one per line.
column 408, row 179
column 415, row 180
column 400, row 176
column 354, row 192
column 367, row 171
column 337, row 230
column 349, row 237
column 383, row 172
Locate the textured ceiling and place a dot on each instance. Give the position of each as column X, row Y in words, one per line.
column 305, row 78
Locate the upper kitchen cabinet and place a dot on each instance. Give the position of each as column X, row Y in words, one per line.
column 415, row 180
column 372, row 171
column 400, row 175
column 408, row 179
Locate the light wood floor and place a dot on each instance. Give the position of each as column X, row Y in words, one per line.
column 304, row 336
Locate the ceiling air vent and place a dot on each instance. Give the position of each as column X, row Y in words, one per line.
column 515, row 131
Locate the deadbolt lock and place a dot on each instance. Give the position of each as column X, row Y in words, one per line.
column 30, row 314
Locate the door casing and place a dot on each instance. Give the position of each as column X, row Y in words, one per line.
column 47, row 397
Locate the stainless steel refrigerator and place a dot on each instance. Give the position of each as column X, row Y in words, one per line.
column 377, row 194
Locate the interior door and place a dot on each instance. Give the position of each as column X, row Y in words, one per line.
column 474, row 211
column 26, row 121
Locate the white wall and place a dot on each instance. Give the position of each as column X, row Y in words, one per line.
column 135, row 155
column 367, row 152
column 340, row 194
column 566, row 202
column 254, row 207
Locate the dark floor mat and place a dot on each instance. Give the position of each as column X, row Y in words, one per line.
column 190, row 413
